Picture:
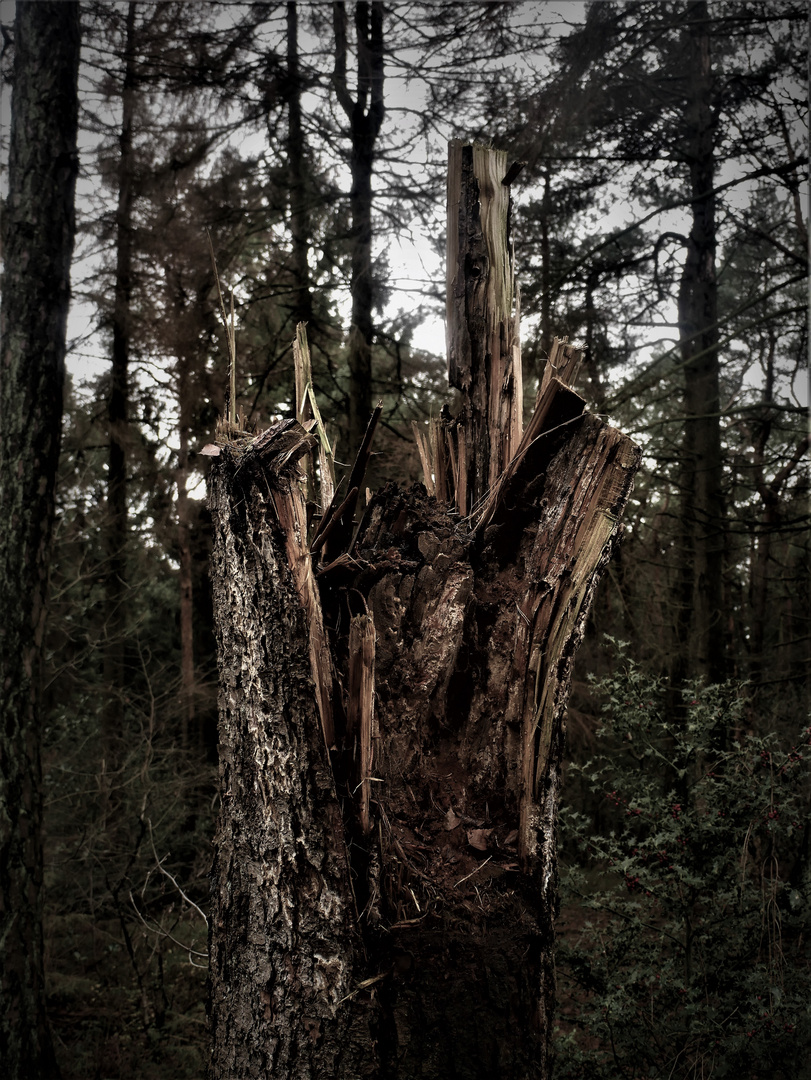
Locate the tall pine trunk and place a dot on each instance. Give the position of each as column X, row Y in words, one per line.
column 38, row 239
column 392, row 712
column 365, row 115
column 297, row 177
column 115, row 578
column 701, row 632
column 185, row 576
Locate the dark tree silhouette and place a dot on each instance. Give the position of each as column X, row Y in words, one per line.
column 38, row 235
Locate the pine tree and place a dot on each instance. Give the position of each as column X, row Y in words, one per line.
column 38, row 231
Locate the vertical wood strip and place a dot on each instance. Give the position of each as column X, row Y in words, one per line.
column 484, row 358
column 360, row 713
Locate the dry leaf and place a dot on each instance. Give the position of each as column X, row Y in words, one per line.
column 477, row 838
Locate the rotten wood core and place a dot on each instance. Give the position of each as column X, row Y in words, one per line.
column 439, row 631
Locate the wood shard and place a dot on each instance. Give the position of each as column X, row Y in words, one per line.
column 342, row 521
column 360, row 710
column 563, row 364
column 556, row 406
column 425, row 457
column 291, row 511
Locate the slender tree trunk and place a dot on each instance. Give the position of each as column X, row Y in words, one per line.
column 385, row 871
column 299, row 217
column 546, row 268
column 770, row 491
column 187, row 675
column 700, row 605
column 115, row 582
column 38, row 239
column 365, row 115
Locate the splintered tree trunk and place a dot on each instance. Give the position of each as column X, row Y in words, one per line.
column 392, row 711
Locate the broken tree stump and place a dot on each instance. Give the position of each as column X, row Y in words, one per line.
column 385, row 870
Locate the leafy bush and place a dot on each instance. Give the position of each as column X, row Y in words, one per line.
column 682, row 950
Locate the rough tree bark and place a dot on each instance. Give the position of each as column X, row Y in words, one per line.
column 38, row 231
column 385, row 870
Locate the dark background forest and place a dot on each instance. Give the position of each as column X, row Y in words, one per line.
column 661, row 220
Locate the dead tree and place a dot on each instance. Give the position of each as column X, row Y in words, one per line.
column 392, row 708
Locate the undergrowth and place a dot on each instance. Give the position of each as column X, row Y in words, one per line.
column 683, row 947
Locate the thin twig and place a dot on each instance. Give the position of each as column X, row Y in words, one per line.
column 158, row 929
column 472, row 872
column 160, row 866
column 363, row 986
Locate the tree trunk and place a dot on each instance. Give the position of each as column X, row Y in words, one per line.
column 38, row 237
column 700, row 601
column 385, row 871
column 186, row 581
column 115, row 580
column 283, row 937
column 299, row 216
column 365, row 115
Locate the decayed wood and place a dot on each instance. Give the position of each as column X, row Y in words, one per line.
column 573, row 544
column 557, row 404
column 448, row 730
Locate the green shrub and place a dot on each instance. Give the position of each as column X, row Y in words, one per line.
column 682, row 946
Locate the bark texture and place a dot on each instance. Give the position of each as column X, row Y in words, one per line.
column 38, row 236
column 283, row 938
column 386, row 872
